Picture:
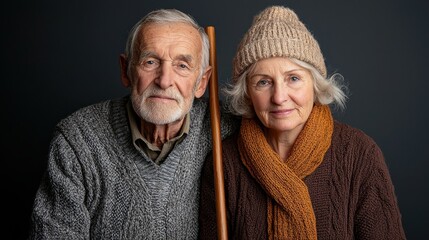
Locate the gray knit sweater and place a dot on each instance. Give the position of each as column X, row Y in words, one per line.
column 99, row 186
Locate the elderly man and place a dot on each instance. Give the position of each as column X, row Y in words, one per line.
column 129, row 168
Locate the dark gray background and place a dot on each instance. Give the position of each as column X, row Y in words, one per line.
column 58, row 56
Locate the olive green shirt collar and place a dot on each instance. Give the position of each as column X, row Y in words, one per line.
column 142, row 144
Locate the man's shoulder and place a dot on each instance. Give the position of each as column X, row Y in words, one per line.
column 200, row 105
column 199, row 113
column 90, row 114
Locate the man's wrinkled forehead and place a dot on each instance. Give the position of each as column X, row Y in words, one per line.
column 179, row 40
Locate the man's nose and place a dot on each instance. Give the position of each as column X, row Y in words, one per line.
column 165, row 76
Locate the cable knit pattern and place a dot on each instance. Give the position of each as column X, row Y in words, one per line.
column 99, row 186
column 351, row 192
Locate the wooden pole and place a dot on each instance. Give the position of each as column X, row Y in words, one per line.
column 222, row 229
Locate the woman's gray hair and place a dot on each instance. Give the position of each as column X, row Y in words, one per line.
column 165, row 16
column 329, row 90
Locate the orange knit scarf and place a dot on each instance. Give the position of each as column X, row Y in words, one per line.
column 290, row 213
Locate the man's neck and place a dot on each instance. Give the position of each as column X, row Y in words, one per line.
column 160, row 134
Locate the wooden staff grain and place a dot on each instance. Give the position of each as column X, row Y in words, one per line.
column 222, row 229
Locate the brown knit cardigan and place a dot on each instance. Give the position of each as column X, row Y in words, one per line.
column 351, row 192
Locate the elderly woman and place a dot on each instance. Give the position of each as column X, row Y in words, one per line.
column 291, row 171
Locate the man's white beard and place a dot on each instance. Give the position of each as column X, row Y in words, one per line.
column 160, row 113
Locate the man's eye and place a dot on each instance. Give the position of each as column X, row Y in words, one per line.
column 150, row 64
column 183, row 66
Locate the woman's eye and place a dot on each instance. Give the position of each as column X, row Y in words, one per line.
column 294, row 78
column 262, row 82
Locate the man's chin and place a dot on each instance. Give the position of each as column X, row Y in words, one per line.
column 161, row 119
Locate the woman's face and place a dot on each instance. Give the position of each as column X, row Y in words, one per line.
column 281, row 93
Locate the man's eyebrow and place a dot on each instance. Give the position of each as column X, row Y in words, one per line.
column 182, row 57
column 185, row 57
column 145, row 54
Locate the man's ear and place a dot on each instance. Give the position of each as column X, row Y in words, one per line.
column 126, row 82
column 202, row 85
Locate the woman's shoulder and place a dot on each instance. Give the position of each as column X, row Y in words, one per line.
column 230, row 145
column 354, row 148
column 345, row 134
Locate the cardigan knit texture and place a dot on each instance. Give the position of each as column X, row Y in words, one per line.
column 351, row 192
column 99, row 186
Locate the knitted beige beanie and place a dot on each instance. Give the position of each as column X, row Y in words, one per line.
column 277, row 32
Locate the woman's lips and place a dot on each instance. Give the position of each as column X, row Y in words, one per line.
column 282, row 112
